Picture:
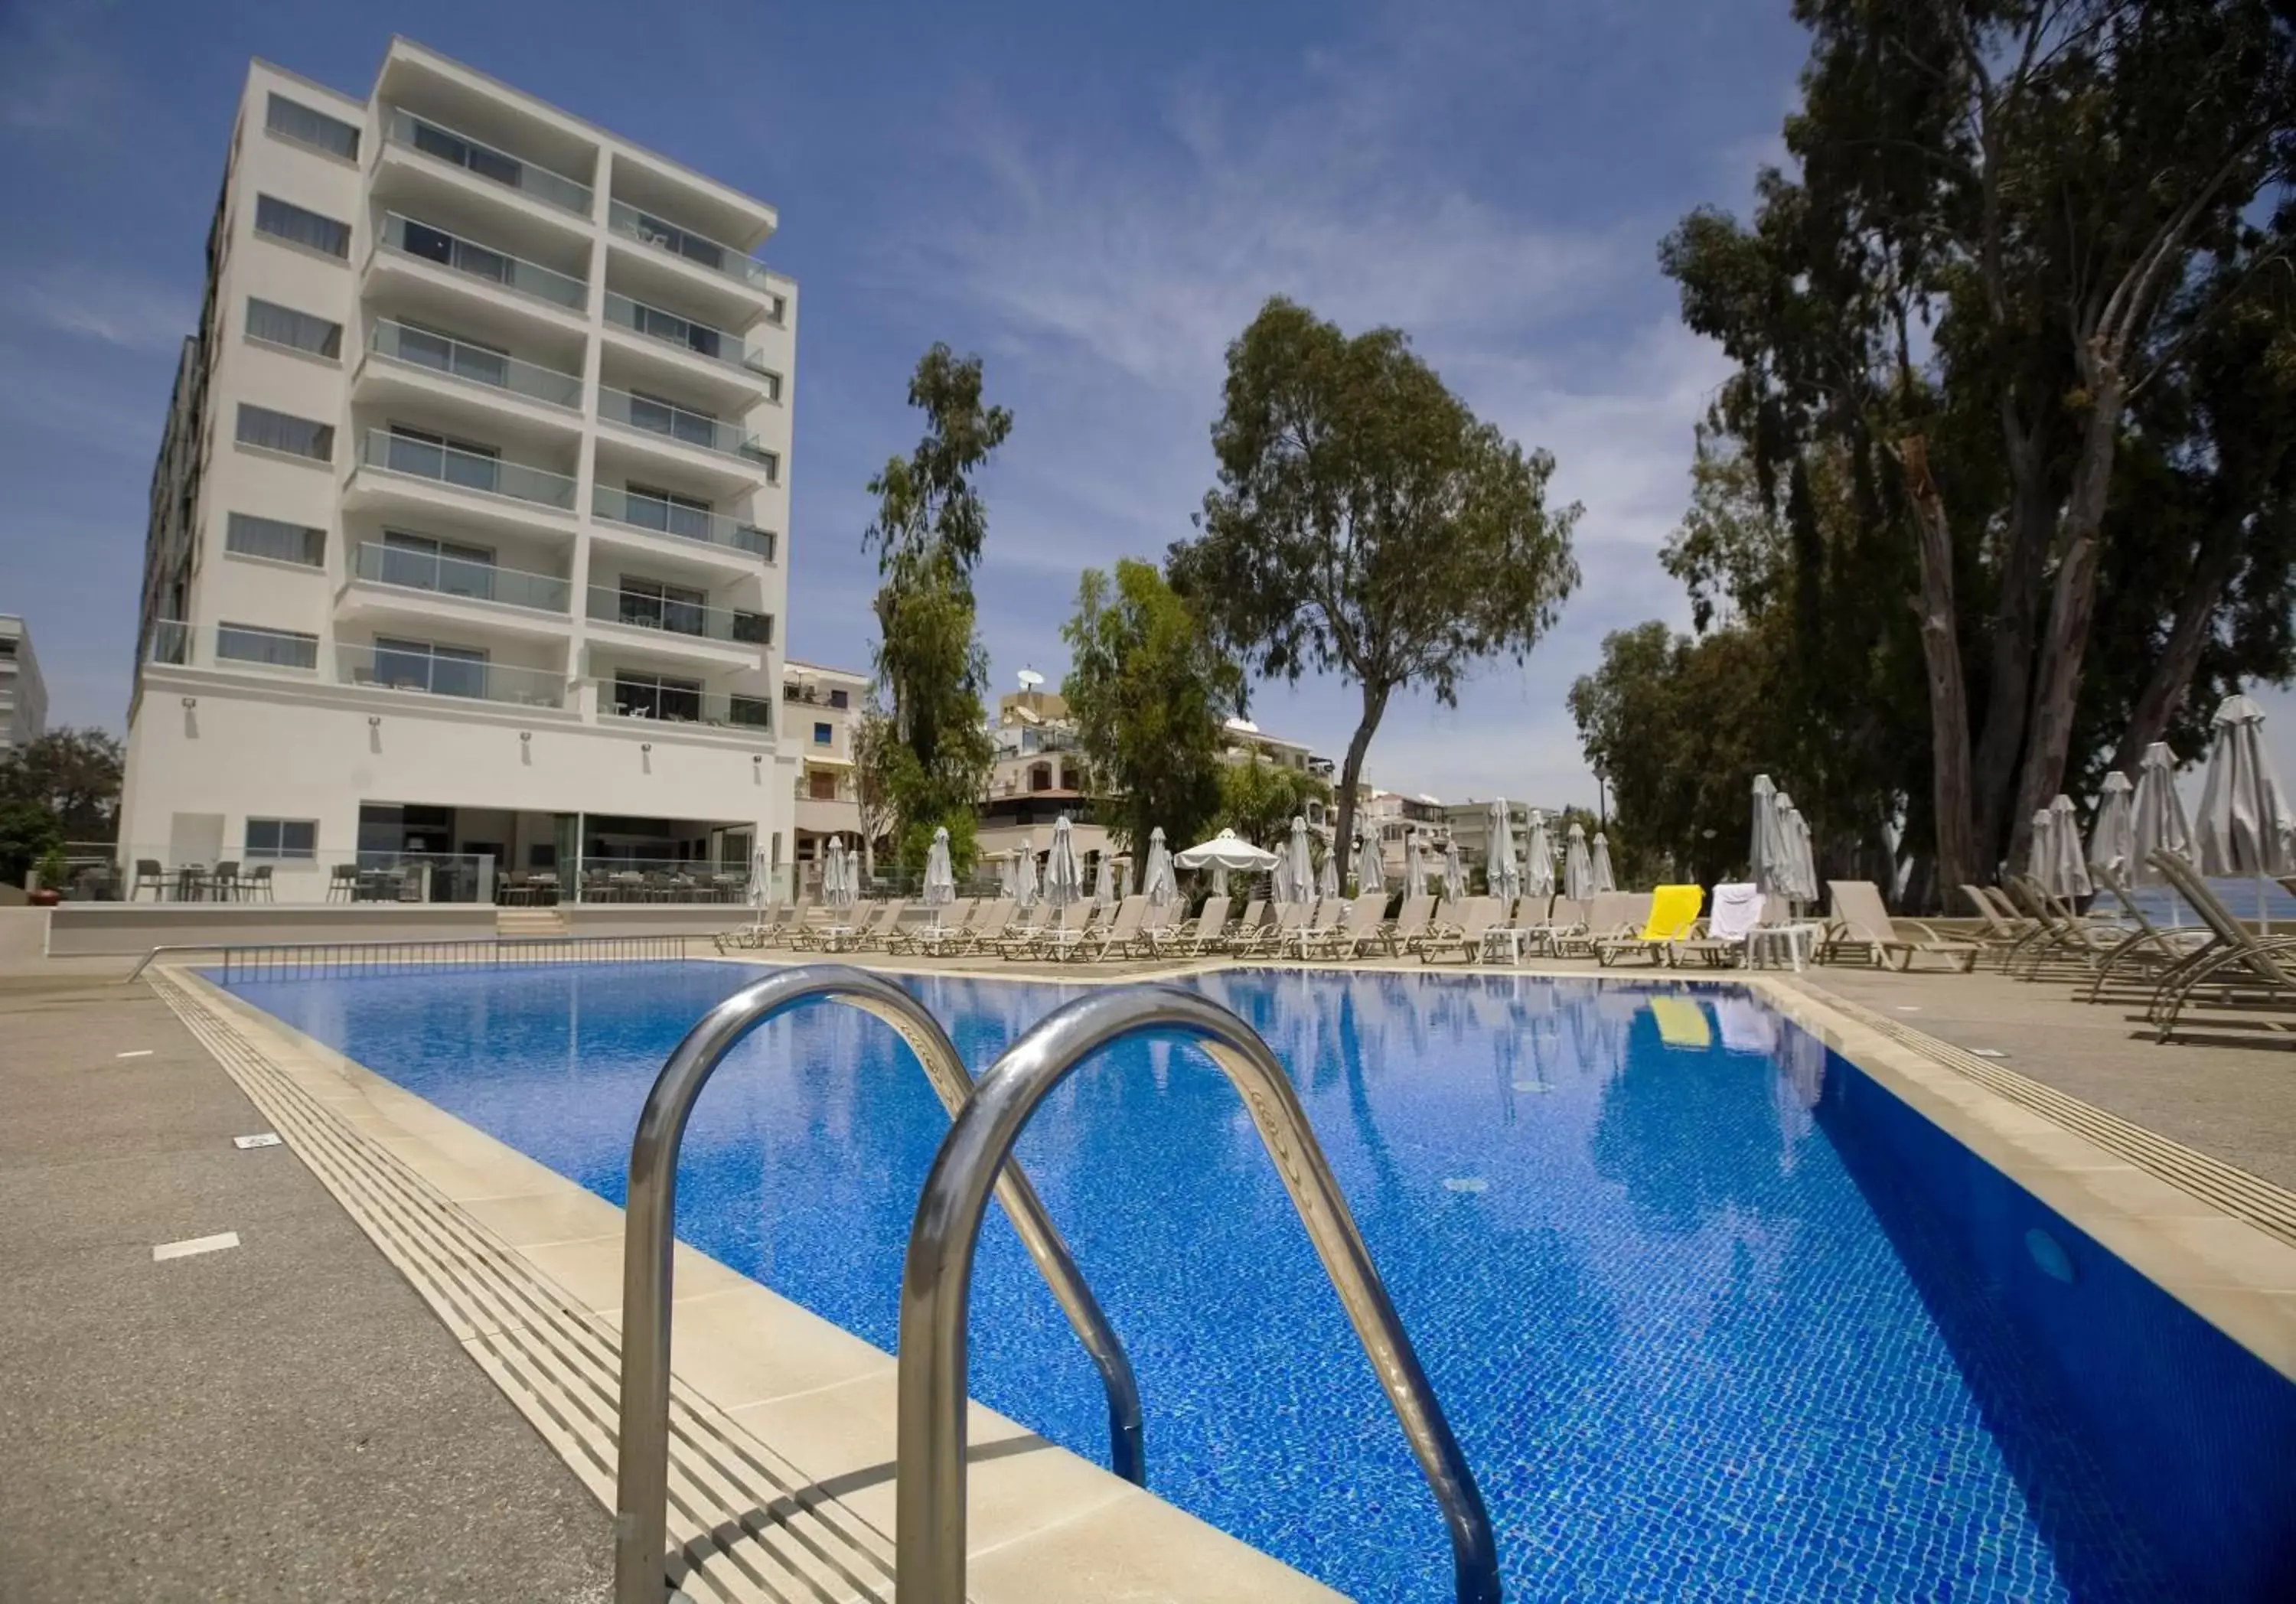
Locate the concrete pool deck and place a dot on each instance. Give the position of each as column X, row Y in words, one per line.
column 785, row 1419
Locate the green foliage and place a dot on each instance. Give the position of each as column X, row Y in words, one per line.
column 29, row 832
column 964, row 850
column 926, row 753
column 1258, row 799
column 1149, row 689
column 1366, row 523
column 71, row 773
column 2029, row 254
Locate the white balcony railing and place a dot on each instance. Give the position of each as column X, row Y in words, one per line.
column 442, row 144
column 428, row 242
column 465, row 470
column 420, row 347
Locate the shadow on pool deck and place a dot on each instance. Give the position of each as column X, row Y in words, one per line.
column 283, row 1419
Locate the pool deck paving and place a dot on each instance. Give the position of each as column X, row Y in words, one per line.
column 295, row 1416
column 284, row 1419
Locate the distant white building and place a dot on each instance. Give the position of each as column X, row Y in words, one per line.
column 23, row 694
column 820, row 708
column 467, row 535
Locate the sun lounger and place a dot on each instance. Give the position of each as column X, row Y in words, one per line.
column 1610, row 914
column 2006, row 928
column 2065, row 933
column 1674, row 909
column 751, row 937
column 1722, row 939
column 1477, row 915
column 1266, row 938
column 934, row 934
column 1409, row 926
column 1019, row 940
column 2148, row 950
column 1239, row 928
column 1862, row 927
column 1115, row 939
column 2239, row 970
column 1564, row 921
column 1197, row 936
column 1061, row 934
column 1358, row 927
column 880, row 929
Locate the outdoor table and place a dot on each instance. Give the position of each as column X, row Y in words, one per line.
column 834, row 936
column 191, row 883
column 1790, row 944
column 1513, row 939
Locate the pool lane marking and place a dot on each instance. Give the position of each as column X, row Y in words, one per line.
column 193, row 1245
column 139, row 1052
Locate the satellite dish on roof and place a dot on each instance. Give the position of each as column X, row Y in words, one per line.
column 1030, row 679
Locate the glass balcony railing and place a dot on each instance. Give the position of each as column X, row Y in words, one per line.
column 413, row 238
column 460, row 150
column 466, row 469
column 676, row 423
column 675, row 518
column 685, row 332
column 171, row 642
column 673, row 704
column 402, row 342
column 641, row 610
column 739, row 265
column 444, row 576
column 392, row 669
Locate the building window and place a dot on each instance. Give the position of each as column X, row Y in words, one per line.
column 293, row 224
column 421, row 665
column 280, row 325
column 282, row 838
column 275, row 648
column 651, row 507
column 299, row 123
column 252, row 536
column 840, row 698
column 1040, row 776
column 651, row 696
column 820, row 787
column 773, row 466
column 823, row 734
column 278, row 431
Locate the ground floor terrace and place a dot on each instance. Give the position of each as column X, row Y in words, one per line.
column 424, row 853
column 441, row 1316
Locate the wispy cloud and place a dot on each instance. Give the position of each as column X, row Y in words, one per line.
column 53, row 77
column 1106, row 285
column 135, row 313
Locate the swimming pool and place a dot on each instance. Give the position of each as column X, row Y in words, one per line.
column 1712, row 1314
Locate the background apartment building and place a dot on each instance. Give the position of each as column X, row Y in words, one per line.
column 23, row 694
column 820, row 708
column 466, row 531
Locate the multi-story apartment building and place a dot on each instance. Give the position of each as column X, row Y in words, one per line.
column 1392, row 818
column 467, row 528
column 820, row 707
column 1037, row 775
column 23, row 694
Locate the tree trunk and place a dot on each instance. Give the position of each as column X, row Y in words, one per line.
column 1375, row 706
column 2056, row 696
column 2016, row 621
column 1949, row 759
column 2180, row 657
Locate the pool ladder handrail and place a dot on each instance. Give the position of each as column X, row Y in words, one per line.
column 929, row 1532
column 642, row 1481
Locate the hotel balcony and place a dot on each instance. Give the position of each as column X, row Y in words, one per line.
column 383, row 669
column 681, row 343
column 432, row 142
column 404, row 361
column 387, row 582
column 447, row 482
column 660, row 626
column 652, row 523
column 683, row 430
column 699, row 251
column 494, row 281
column 681, row 705
column 170, row 645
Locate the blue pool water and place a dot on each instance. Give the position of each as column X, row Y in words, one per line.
column 1713, row 1315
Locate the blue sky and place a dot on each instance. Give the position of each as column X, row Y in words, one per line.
column 1094, row 197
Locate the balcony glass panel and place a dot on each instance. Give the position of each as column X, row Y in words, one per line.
column 171, row 641
column 698, row 249
column 675, row 518
column 674, row 615
column 671, row 329
column 480, row 261
column 404, row 342
column 460, row 150
column 451, row 576
column 421, row 459
column 411, row 666
column 671, row 703
column 662, row 418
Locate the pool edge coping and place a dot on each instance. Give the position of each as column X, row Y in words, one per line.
column 812, row 1406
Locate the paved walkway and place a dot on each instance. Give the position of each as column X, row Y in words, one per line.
column 283, row 1419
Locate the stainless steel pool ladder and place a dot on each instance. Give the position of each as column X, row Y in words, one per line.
column 937, row 1275
column 642, row 1485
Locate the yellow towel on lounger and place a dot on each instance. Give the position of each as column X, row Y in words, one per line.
column 1681, row 1023
column 1674, row 909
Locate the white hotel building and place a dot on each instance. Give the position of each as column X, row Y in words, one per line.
column 467, row 533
